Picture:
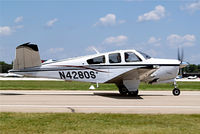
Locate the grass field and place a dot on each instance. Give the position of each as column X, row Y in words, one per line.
column 62, row 85
column 70, row 123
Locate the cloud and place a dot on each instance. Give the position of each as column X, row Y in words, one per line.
column 155, row 41
column 156, row 14
column 177, row 40
column 5, row 30
column 109, row 20
column 55, row 50
column 8, row 30
column 50, row 23
column 118, row 40
column 192, row 6
column 19, row 19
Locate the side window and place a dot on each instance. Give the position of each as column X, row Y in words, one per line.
column 131, row 57
column 97, row 60
column 115, row 58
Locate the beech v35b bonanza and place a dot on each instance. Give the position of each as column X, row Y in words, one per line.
column 125, row 68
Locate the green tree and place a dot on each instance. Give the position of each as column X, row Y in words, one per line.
column 192, row 68
column 4, row 67
column 198, row 68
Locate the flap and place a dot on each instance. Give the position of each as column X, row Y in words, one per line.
column 142, row 73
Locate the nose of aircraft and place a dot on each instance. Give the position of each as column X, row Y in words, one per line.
column 183, row 64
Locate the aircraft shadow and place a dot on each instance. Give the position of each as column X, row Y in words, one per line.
column 117, row 96
column 11, row 94
column 49, row 94
column 110, row 95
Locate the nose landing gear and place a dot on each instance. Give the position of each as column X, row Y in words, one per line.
column 176, row 91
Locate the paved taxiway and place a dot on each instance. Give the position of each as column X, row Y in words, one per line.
column 99, row 101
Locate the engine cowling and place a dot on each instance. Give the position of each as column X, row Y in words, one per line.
column 164, row 74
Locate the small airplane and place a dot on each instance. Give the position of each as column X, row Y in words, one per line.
column 192, row 77
column 125, row 68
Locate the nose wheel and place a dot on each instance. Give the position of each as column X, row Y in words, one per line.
column 176, row 91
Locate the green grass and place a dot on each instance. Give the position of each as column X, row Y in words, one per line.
column 51, row 85
column 62, row 85
column 70, row 123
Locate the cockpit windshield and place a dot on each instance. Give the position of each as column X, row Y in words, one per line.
column 144, row 55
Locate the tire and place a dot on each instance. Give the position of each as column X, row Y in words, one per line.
column 123, row 90
column 176, row 92
column 133, row 93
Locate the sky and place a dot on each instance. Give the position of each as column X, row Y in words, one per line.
column 64, row 29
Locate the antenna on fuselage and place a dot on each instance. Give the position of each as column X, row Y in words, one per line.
column 95, row 50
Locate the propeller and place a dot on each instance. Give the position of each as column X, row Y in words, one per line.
column 180, row 58
column 180, row 55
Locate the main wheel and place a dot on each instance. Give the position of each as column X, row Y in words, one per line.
column 133, row 93
column 123, row 90
column 176, row 92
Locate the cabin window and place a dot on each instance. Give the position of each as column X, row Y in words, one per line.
column 97, row 60
column 115, row 58
column 144, row 55
column 131, row 57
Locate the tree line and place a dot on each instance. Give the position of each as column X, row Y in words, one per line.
column 192, row 68
column 4, row 67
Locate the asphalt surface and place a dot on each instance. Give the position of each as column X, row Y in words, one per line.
column 152, row 102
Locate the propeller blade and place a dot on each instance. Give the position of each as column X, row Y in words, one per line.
column 178, row 56
column 182, row 55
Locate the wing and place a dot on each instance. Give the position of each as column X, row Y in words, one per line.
column 141, row 73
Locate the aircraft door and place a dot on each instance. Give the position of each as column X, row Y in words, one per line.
column 98, row 69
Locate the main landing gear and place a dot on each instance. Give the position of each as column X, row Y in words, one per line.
column 124, row 91
column 176, row 91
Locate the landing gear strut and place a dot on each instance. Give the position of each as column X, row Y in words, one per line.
column 176, row 91
column 124, row 91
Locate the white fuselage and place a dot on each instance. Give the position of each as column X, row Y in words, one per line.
column 83, row 68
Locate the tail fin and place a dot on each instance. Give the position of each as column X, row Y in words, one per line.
column 27, row 55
